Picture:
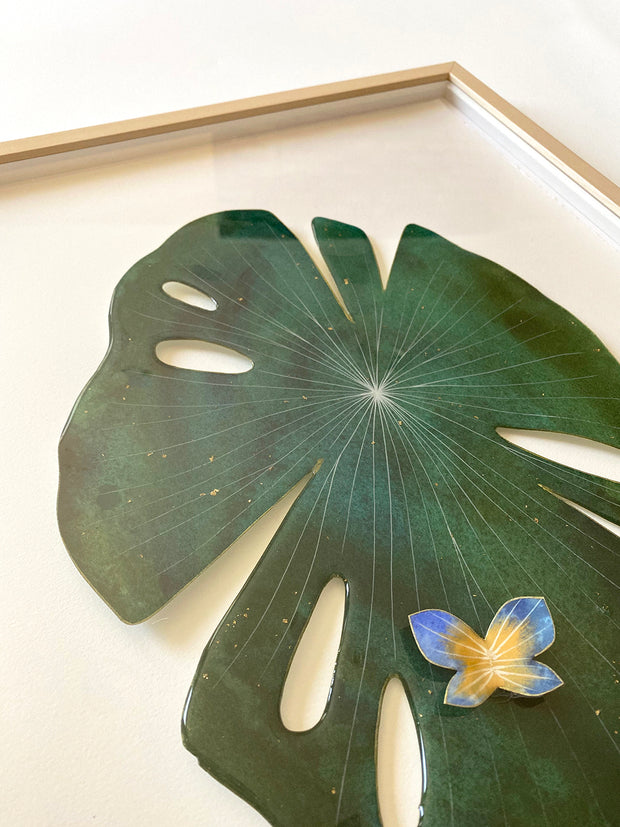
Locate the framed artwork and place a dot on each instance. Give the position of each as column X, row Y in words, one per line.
column 356, row 431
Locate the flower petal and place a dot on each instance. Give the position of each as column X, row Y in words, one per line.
column 522, row 628
column 471, row 687
column 529, row 679
column 445, row 640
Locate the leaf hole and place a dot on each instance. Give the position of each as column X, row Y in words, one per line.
column 192, row 620
column 188, row 295
column 579, row 453
column 196, row 354
column 613, row 527
column 399, row 762
column 310, row 676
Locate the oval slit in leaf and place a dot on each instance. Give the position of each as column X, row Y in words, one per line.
column 572, row 451
column 399, row 763
column 196, row 354
column 188, row 295
column 311, row 673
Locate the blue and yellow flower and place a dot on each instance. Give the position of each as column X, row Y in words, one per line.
column 504, row 659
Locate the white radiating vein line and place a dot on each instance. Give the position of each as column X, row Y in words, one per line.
column 410, row 529
column 549, row 466
column 459, row 556
column 214, row 321
column 326, row 361
column 485, row 725
column 236, row 425
column 389, row 487
column 397, row 355
column 528, row 762
column 427, row 445
column 510, row 482
column 448, row 403
column 417, row 362
column 426, row 514
column 299, row 307
column 255, row 473
column 445, row 749
column 289, row 424
column 477, row 649
column 563, row 379
column 370, row 618
column 552, row 468
column 271, row 286
column 320, row 532
column 223, row 383
column 224, row 499
column 299, row 316
column 578, row 762
column 459, row 345
column 357, row 464
column 563, row 669
column 234, row 517
column 368, row 362
column 422, row 332
column 301, row 272
column 208, row 410
column 310, row 286
column 272, row 321
column 379, row 326
column 430, row 428
column 556, row 607
column 469, row 523
column 502, row 650
column 409, row 374
column 499, row 370
column 288, row 565
column 422, row 336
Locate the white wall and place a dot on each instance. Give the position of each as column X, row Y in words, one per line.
column 69, row 63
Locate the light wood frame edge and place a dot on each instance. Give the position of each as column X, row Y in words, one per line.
column 600, row 187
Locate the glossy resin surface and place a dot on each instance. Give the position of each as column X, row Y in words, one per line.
column 389, row 411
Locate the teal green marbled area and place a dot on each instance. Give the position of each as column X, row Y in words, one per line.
column 418, row 503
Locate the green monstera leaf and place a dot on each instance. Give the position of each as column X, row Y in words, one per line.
column 412, row 497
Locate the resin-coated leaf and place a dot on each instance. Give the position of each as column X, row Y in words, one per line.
column 418, row 502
